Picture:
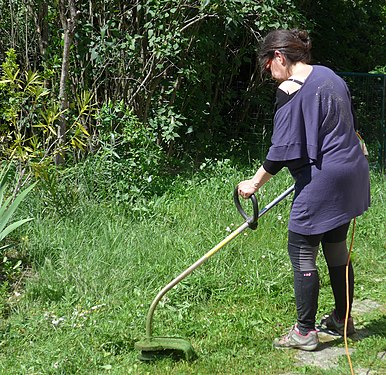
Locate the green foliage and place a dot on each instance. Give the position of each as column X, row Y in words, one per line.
column 22, row 98
column 126, row 165
column 379, row 69
column 8, row 205
column 29, row 115
column 127, row 160
column 167, row 124
column 56, row 192
column 180, row 64
column 185, row 67
column 11, row 263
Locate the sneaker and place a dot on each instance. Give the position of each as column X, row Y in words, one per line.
column 295, row 340
column 332, row 323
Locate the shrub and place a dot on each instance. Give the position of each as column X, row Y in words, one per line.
column 128, row 160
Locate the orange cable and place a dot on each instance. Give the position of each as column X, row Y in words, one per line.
column 348, row 299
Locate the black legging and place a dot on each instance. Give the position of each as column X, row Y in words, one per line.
column 303, row 251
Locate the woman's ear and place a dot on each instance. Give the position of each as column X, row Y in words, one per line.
column 279, row 57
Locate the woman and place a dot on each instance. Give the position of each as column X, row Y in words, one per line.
column 314, row 138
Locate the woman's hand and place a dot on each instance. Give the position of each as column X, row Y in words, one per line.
column 247, row 188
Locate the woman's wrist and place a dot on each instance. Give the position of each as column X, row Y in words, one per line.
column 255, row 184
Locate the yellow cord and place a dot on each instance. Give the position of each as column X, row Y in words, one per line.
column 348, row 298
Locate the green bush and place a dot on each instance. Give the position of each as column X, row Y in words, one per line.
column 124, row 166
column 127, row 161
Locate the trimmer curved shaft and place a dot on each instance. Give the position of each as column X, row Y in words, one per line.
column 250, row 222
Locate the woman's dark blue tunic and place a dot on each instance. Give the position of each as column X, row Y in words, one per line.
column 317, row 125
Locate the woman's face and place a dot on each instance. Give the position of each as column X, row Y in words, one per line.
column 277, row 67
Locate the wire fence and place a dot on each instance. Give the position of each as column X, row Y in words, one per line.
column 368, row 93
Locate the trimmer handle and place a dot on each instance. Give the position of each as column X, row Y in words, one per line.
column 251, row 220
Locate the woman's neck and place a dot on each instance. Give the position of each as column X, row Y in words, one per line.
column 300, row 71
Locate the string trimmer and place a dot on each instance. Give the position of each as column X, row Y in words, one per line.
column 152, row 348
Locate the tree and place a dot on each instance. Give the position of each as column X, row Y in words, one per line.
column 68, row 16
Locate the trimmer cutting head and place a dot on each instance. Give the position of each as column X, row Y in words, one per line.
column 155, row 348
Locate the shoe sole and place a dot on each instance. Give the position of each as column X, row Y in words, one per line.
column 333, row 331
column 341, row 332
column 307, row 348
column 333, row 328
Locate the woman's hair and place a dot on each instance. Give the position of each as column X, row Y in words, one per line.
column 294, row 44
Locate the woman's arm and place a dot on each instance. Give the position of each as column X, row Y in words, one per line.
column 248, row 187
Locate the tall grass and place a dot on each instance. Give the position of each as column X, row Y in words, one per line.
column 94, row 271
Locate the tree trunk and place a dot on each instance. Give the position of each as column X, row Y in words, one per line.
column 39, row 11
column 68, row 17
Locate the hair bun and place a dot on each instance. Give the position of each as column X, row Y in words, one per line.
column 303, row 36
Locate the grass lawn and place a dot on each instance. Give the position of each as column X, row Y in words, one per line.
column 89, row 276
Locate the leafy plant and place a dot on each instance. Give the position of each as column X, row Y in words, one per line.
column 379, row 69
column 22, row 97
column 167, row 124
column 56, row 193
column 29, row 115
column 127, row 160
column 9, row 205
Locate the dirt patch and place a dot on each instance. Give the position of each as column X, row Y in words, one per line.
column 324, row 358
column 328, row 354
column 364, row 307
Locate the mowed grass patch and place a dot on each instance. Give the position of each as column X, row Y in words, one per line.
column 95, row 272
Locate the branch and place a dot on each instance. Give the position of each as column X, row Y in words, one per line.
column 196, row 19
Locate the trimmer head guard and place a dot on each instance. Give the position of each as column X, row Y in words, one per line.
column 155, row 348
